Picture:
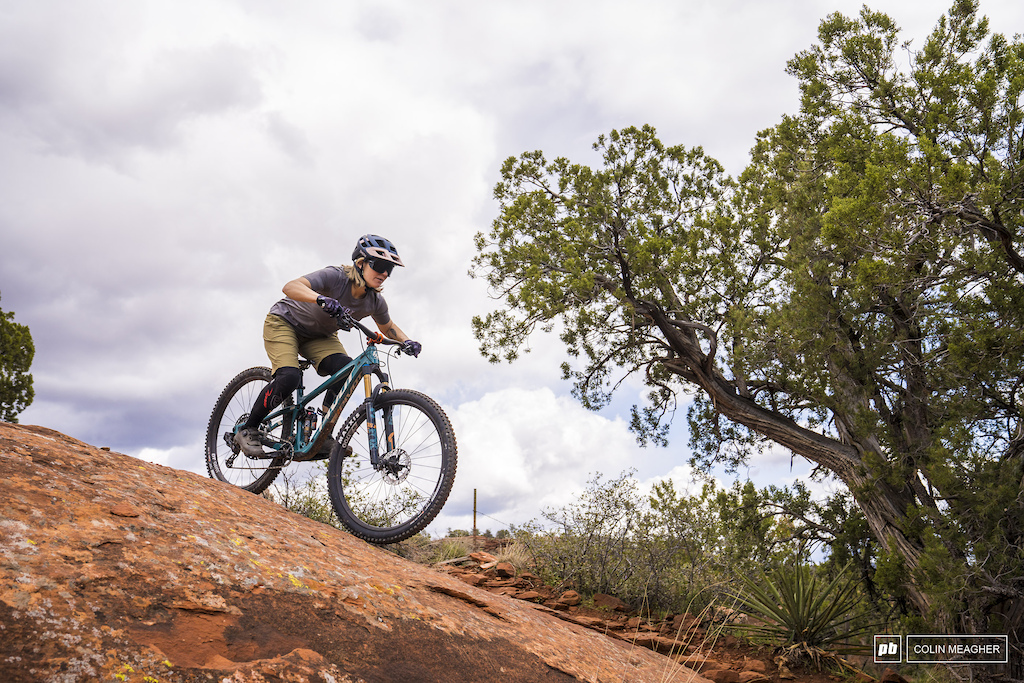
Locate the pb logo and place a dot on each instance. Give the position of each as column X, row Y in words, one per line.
column 887, row 649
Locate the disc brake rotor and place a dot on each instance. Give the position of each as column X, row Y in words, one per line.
column 395, row 466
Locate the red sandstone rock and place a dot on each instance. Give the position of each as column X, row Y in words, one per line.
column 610, row 602
column 504, row 569
column 754, row 665
column 890, row 676
column 483, row 558
column 722, row 676
column 570, row 598
column 208, row 582
column 123, row 509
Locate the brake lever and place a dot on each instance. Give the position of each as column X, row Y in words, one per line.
column 345, row 321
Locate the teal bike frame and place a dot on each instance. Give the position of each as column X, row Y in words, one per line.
column 300, row 447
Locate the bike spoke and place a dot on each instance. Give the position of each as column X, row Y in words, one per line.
column 398, row 497
column 224, row 461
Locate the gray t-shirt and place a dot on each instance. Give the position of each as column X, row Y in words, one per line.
column 310, row 320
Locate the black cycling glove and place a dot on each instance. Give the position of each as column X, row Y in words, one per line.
column 333, row 308
column 412, row 348
column 330, row 306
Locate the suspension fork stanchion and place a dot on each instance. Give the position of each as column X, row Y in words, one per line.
column 389, row 426
column 371, row 424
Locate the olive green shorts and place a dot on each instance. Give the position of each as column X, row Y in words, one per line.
column 284, row 344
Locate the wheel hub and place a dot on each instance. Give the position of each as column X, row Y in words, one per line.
column 395, row 466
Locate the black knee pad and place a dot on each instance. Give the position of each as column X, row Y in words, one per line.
column 287, row 379
column 330, row 365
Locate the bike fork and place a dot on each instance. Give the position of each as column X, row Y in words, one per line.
column 371, row 426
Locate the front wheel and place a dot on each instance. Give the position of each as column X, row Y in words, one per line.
column 401, row 495
column 224, row 460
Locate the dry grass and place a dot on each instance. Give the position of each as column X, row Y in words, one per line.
column 450, row 549
column 517, row 554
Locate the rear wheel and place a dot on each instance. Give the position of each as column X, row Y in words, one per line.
column 402, row 495
column 224, row 460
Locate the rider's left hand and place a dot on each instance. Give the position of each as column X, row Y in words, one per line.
column 412, row 348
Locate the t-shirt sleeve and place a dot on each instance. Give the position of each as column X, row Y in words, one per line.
column 380, row 313
column 328, row 281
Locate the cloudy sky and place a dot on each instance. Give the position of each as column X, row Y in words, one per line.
column 168, row 166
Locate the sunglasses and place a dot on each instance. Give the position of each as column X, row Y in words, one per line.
column 380, row 265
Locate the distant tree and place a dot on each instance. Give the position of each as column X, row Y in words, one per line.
column 16, row 353
column 857, row 297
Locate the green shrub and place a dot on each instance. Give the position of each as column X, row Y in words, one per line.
column 805, row 617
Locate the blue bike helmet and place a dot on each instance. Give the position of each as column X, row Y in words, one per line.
column 376, row 247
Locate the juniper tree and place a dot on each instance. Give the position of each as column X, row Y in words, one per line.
column 855, row 296
column 16, row 353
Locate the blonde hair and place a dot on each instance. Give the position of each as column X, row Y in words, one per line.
column 355, row 274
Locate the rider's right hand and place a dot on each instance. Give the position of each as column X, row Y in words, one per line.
column 333, row 307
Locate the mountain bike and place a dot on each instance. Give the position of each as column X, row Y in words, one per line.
column 383, row 490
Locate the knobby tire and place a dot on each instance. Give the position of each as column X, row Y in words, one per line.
column 394, row 504
column 231, row 409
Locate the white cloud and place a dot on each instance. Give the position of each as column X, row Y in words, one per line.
column 523, row 450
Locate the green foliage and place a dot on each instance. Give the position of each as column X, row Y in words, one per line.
column 585, row 246
column 414, row 548
column 591, row 544
column 668, row 550
column 450, row 549
column 308, row 498
column 856, row 296
column 796, row 608
column 16, row 353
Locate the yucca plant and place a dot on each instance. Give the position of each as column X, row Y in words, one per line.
column 804, row 617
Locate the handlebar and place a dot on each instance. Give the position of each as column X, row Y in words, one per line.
column 372, row 337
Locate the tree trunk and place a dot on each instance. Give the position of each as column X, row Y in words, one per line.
column 883, row 506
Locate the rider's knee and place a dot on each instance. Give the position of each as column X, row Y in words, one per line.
column 287, row 380
column 330, row 365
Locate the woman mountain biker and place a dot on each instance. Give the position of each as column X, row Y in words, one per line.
column 304, row 323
